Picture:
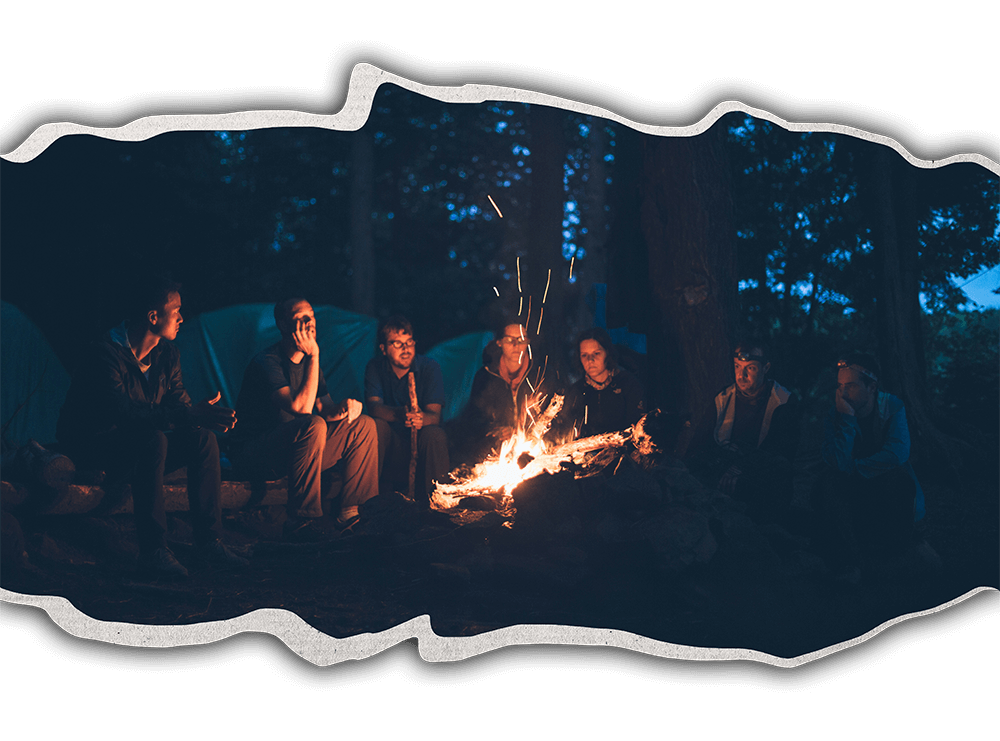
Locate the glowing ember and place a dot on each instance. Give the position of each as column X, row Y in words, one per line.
column 519, row 274
column 571, row 267
column 547, row 281
column 496, row 291
column 541, row 313
column 494, row 205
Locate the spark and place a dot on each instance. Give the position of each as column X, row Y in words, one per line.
column 545, row 365
column 616, row 467
column 496, row 291
column 520, row 306
column 541, row 313
column 527, row 319
column 519, row 357
column 529, row 353
column 520, row 328
column 494, row 205
column 571, row 267
column 585, row 415
column 529, row 385
column 547, row 281
column 519, row 274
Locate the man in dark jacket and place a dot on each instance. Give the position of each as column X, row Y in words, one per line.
column 755, row 436
column 127, row 412
column 868, row 494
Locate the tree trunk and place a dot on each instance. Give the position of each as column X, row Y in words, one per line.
column 362, row 241
column 687, row 220
column 548, row 155
column 898, row 311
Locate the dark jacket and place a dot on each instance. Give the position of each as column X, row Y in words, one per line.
column 590, row 411
column 777, row 440
column 109, row 391
column 494, row 406
column 841, row 448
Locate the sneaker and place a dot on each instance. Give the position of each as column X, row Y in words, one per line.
column 219, row 554
column 162, row 562
column 345, row 525
column 302, row 530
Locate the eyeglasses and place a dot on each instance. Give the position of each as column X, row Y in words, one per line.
column 408, row 345
column 858, row 368
column 514, row 341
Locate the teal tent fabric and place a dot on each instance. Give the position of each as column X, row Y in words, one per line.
column 459, row 359
column 27, row 360
column 217, row 346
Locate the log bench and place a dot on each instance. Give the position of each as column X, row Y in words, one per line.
column 82, row 498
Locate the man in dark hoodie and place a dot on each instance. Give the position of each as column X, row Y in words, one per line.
column 127, row 413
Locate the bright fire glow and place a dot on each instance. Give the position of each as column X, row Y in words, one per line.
column 501, row 472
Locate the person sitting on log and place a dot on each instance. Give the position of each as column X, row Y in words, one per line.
column 750, row 448
column 127, row 413
column 868, row 493
column 387, row 392
column 607, row 399
column 291, row 426
column 501, row 391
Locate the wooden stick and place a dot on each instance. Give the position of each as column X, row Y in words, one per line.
column 411, row 380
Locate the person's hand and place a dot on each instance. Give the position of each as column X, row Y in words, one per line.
column 414, row 420
column 727, row 484
column 208, row 414
column 502, row 433
column 348, row 409
column 353, row 408
column 304, row 337
column 843, row 406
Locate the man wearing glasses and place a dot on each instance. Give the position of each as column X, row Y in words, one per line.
column 388, row 396
column 869, row 495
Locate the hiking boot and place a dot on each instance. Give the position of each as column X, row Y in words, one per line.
column 219, row 554
column 162, row 562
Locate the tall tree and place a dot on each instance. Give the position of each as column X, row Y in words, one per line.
column 687, row 220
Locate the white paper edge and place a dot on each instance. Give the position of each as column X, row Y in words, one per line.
column 305, row 641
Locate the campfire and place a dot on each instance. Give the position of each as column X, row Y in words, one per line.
column 526, row 454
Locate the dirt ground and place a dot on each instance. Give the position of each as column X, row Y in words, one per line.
column 474, row 574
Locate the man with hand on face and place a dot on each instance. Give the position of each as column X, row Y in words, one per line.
column 869, row 493
column 755, row 437
column 387, row 392
column 290, row 425
column 127, row 413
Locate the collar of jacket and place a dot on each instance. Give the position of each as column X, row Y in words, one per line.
column 494, row 369
column 725, row 412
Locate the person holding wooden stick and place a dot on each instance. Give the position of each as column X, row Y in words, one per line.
column 405, row 395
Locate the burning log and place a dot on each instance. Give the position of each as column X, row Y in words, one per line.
column 523, row 457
